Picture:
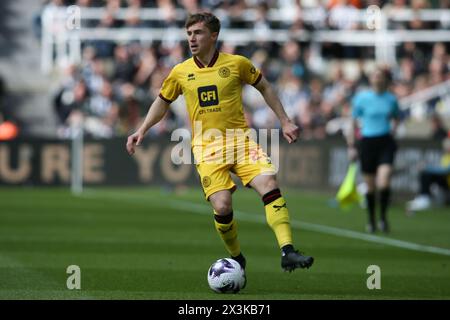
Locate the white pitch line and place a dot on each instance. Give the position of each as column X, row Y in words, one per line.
column 321, row 228
column 296, row 224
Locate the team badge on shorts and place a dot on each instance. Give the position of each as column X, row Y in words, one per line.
column 206, row 181
column 224, row 72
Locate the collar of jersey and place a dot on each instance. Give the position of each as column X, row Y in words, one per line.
column 211, row 63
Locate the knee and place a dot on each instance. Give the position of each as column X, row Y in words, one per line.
column 223, row 206
column 383, row 185
column 270, row 184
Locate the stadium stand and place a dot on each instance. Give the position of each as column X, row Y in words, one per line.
column 108, row 69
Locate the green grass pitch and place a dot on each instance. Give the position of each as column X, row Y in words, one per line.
column 147, row 243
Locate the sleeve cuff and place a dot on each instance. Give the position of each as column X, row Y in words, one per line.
column 257, row 80
column 165, row 99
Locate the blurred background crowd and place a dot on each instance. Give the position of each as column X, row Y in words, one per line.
column 110, row 90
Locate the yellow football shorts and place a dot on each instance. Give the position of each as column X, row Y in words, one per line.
column 246, row 165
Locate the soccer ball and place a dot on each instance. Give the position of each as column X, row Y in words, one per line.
column 226, row 276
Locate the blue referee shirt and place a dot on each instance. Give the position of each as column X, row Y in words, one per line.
column 375, row 110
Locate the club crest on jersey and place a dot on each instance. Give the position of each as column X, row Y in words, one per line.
column 206, row 181
column 208, row 96
column 224, row 72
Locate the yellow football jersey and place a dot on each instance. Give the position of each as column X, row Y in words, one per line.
column 212, row 93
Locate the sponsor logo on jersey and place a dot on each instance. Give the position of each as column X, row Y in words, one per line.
column 208, row 96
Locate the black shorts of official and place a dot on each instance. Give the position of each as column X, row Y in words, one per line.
column 375, row 151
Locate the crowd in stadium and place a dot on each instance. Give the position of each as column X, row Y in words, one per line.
column 116, row 82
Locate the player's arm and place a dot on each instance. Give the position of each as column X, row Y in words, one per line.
column 351, row 140
column 395, row 119
column 351, row 133
column 394, row 126
column 156, row 112
column 290, row 130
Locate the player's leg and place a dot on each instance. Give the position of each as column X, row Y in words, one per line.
column 369, row 179
column 384, row 173
column 277, row 215
column 423, row 200
column 225, row 223
column 368, row 157
column 218, row 187
column 428, row 178
column 256, row 170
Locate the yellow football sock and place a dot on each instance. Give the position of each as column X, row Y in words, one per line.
column 228, row 233
column 277, row 216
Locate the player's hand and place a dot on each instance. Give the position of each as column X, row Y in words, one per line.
column 352, row 154
column 134, row 140
column 290, row 131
